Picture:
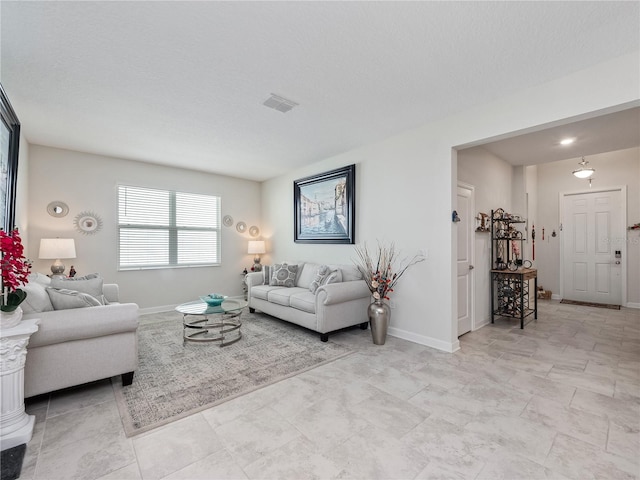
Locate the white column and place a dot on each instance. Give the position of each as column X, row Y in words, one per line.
column 16, row 427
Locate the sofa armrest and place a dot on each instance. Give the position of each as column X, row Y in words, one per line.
column 80, row 323
column 342, row 292
column 111, row 292
column 254, row 278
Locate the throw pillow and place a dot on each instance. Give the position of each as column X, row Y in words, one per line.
column 37, row 299
column 91, row 284
column 64, row 299
column 267, row 270
column 284, row 275
column 322, row 273
column 335, row 276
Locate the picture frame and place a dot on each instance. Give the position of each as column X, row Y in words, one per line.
column 9, row 145
column 325, row 208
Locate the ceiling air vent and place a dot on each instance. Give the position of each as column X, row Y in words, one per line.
column 279, row 103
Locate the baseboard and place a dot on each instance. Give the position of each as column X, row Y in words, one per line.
column 149, row 310
column 426, row 341
column 485, row 322
column 632, row 305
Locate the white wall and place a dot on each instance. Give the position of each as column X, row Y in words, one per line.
column 492, row 178
column 406, row 189
column 613, row 169
column 88, row 183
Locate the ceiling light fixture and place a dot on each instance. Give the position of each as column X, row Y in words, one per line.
column 567, row 141
column 584, row 171
column 279, row 103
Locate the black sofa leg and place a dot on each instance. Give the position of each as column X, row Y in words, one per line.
column 127, row 379
column 324, row 337
column 252, row 310
column 364, row 325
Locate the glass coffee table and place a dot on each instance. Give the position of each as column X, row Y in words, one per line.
column 204, row 323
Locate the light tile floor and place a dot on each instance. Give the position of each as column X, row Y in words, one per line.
column 559, row 399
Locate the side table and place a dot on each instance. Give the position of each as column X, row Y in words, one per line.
column 16, row 426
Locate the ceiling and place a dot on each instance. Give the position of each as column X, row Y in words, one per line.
column 183, row 83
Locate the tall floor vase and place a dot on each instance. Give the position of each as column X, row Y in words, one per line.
column 379, row 316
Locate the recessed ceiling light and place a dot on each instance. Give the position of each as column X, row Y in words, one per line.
column 567, row 141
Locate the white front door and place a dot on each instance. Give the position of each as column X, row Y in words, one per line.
column 592, row 259
column 465, row 257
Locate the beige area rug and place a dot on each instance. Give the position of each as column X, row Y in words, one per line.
column 591, row 304
column 175, row 380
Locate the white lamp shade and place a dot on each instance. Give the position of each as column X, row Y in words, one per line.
column 584, row 172
column 256, row 247
column 55, row 248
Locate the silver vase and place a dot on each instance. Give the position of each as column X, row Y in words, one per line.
column 379, row 316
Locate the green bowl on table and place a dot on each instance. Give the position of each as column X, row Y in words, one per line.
column 213, row 299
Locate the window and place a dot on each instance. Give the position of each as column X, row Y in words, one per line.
column 163, row 228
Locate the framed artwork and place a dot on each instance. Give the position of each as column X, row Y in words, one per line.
column 325, row 208
column 9, row 144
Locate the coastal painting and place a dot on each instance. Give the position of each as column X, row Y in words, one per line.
column 324, row 207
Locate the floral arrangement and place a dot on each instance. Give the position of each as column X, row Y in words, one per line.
column 15, row 269
column 378, row 270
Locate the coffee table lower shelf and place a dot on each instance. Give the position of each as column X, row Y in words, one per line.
column 225, row 331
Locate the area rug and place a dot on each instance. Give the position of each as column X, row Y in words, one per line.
column 591, row 304
column 175, row 380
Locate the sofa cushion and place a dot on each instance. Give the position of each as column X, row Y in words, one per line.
column 284, row 275
column 91, row 284
column 306, row 275
column 65, row 299
column 305, row 301
column 282, row 296
column 37, row 300
column 262, row 291
column 322, row 272
column 349, row 272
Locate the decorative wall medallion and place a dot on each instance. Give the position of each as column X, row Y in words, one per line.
column 241, row 227
column 254, row 231
column 88, row 223
column 227, row 220
column 57, row 209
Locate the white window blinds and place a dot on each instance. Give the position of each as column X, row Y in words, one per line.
column 163, row 228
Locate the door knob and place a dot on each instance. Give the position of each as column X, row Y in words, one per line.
column 471, row 267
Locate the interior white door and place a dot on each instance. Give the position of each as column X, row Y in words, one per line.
column 465, row 258
column 591, row 270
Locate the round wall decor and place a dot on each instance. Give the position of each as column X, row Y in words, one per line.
column 254, row 231
column 227, row 220
column 57, row 209
column 88, row 223
column 241, row 227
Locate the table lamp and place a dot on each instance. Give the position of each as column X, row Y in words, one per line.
column 57, row 248
column 257, row 248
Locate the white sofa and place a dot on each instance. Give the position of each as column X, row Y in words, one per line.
column 340, row 300
column 78, row 345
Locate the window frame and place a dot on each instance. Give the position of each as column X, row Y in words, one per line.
column 172, row 229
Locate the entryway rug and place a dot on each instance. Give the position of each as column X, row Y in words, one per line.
column 591, row 304
column 175, row 380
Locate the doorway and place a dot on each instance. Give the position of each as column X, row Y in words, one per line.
column 592, row 259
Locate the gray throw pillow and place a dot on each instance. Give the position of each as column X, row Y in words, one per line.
column 91, row 284
column 64, row 299
column 37, row 299
column 267, row 270
column 284, row 275
column 322, row 273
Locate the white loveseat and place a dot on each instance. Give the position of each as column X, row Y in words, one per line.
column 78, row 345
column 337, row 300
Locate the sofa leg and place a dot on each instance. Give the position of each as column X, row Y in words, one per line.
column 252, row 310
column 127, row 379
column 364, row 325
column 324, row 337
